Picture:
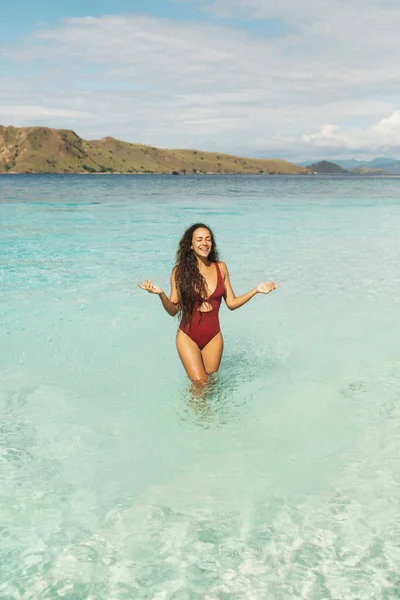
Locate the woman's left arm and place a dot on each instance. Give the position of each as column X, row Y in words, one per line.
column 233, row 302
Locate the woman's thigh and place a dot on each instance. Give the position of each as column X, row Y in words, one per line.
column 212, row 354
column 190, row 355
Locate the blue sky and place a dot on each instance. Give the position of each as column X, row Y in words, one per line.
column 22, row 18
column 290, row 79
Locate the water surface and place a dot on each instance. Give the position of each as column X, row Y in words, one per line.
column 284, row 482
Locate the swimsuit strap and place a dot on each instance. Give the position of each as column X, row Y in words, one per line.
column 219, row 274
column 220, row 281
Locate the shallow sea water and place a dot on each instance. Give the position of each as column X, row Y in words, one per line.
column 284, row 481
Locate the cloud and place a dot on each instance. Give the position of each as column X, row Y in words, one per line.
column 181, row 84
column 382, row 136
column 14, row 112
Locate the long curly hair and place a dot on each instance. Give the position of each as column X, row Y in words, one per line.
column 189, row 280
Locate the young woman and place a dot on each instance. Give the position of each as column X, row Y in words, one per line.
column 199, row 281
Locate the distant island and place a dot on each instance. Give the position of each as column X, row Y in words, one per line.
column 46, row 150
column 376, row 166
column 369, row 171
column 389, row 165
column 325, row 167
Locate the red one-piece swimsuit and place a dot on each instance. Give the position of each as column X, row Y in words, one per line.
column 204, row 325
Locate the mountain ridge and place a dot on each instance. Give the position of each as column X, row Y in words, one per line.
column 49, row 150
column 390, row 165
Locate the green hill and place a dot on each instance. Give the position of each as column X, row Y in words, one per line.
column 369, row 171
column 46, row 150
column 325, row 167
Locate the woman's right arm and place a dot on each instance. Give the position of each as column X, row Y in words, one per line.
column 170, row 304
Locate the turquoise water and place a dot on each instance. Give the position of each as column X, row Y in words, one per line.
column 284, row 483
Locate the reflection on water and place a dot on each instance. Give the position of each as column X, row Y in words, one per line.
column 208, row 404
column 226, row 394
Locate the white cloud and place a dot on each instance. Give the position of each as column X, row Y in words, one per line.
column 14, row 112
column 217, row 87
column 383, row 136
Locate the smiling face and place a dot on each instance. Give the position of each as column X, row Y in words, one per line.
column 201, row 242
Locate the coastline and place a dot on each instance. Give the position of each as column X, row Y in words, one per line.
column 236, row 173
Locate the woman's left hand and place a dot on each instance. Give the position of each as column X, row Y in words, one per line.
column 266, row 288
column 147, row 286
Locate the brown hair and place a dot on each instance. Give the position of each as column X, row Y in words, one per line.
column 189, row 280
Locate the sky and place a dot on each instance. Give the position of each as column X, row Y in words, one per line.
column 294, row 79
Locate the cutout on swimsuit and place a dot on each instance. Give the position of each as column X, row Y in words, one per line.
column 205, row 307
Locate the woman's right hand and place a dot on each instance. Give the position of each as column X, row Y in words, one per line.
column 147, row 286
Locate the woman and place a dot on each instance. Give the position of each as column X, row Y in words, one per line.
column 199, row 281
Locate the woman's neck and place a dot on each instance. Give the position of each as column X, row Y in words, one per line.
column 203, row 262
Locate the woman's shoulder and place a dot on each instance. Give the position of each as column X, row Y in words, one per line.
column 223, row 268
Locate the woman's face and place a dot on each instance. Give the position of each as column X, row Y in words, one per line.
column 201, row 242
